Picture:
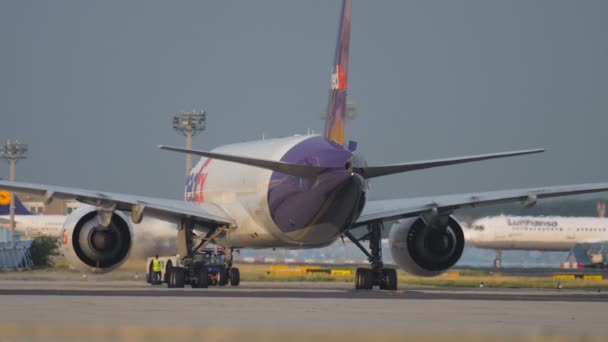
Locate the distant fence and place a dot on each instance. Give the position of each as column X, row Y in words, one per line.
column 15, row 255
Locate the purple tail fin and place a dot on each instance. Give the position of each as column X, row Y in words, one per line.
column 335, row 122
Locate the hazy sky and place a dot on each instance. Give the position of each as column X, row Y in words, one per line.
column 90, row 86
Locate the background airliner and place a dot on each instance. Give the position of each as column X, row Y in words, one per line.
column 550, row 233
column 293, row 192
column 28, row 224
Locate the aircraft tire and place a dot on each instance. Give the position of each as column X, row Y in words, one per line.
column 364, row 279
column 389, row 279
column 168, row 276
column 223, row 277
column 167, row 269
column 202, row 280
column 234, row 276
column 177, row 277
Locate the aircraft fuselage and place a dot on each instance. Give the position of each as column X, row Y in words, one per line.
column 273, row 209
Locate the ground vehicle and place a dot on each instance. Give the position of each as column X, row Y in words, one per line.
column 208, row 267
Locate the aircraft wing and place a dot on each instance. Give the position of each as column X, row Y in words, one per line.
column 385, row 210
column 172, row 210
column 4, row 221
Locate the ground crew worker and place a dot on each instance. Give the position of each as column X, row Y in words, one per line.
column 156, row 269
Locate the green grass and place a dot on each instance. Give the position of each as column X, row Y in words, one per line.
column 464, row 278
column 502, row 281
column 455, row 278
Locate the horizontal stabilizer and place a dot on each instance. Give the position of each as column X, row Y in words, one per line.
column 377, row 171
column 307, row 171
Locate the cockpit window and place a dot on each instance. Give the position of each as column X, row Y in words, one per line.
column 478, row 227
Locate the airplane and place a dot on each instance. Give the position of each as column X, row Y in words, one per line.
column 542, row 233
column 293, row 192
column 27, row 223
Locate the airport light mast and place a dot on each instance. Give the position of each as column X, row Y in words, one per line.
column 189, row 124
column 12, row 152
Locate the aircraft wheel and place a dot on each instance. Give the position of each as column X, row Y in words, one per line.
column 168, row 272
column 149, row 278
column 235, row 276
column 202, row 279
column 177, row 277
column 223, row 276
column 364, row 279
column 388, row 281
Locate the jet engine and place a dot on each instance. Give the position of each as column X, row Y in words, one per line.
column 93, row 248
column 423, row 249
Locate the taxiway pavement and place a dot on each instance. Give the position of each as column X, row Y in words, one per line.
column 325, row 308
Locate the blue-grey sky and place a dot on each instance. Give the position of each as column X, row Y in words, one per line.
column 91, row 85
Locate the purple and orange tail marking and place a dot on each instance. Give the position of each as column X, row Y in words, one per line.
column 336, row 111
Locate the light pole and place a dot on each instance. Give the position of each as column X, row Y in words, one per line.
column 189, row 124
column 13, row 151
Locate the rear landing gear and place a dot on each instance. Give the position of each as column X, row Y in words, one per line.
column 377, row 275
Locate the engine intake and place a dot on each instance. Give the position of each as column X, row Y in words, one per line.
column 93, row 248
column 423, row 250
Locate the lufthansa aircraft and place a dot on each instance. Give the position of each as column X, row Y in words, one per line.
column 25, row 222
column 542, row 233
column 294, row 192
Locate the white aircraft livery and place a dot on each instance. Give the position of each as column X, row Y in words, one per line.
column 294, row 192
column 549, row 233
column 25, row 222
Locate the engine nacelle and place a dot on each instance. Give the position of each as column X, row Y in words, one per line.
column 92, row 248
column 425, row 251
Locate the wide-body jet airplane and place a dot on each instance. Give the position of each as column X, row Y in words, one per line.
column 294, row 192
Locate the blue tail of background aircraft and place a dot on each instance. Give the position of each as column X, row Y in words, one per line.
column 20, row 209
